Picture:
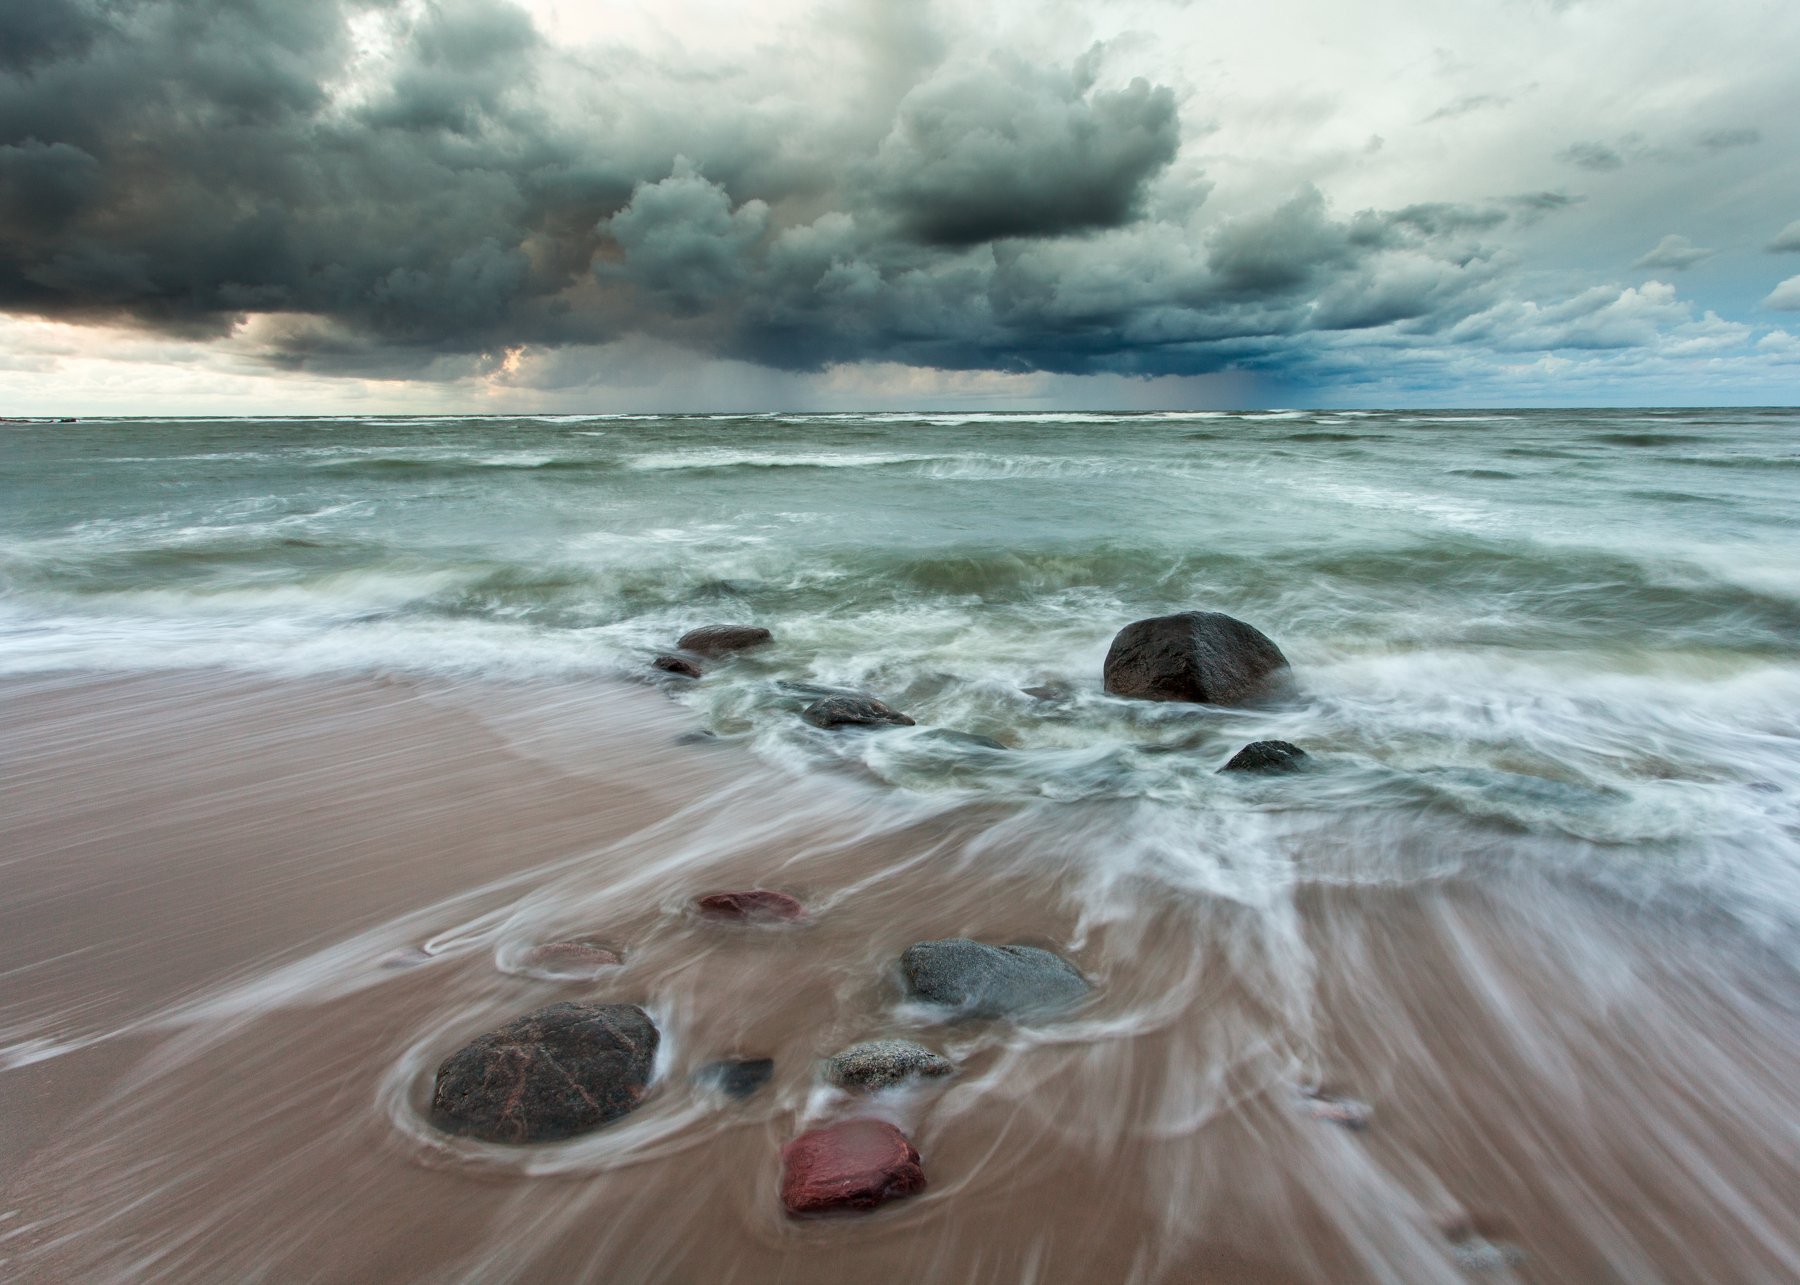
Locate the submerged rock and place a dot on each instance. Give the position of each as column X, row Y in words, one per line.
column 756, row 905
column 736, row 1077
column 722, row 640
column 963, row 740
column 1267, row 756
column 676, row 665
column 1204, row 657
column 881, row 1064
column 1049, row 691
column 1346, row 1113
column 858, row 1164
column 853, row 711
column 578, row 957
column 979, row 980
column 1479, row 1248
column 550, row 1074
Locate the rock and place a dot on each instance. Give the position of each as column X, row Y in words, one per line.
column 1478, row 1248
column 979, row 980
column 1049, row 692
column 551, row 1074
column 736, row 1078
column 722, row 640
column 858, row 1164
column 578, row 957
column 1200, row 656
column 881, row 1064
column 756, row 905
column 962, row 740
column 853, row 711
column 1347, row 1113
column 1267, row 756
column 676, row 665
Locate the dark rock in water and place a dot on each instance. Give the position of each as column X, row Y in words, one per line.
column 1267, row 756
column 858, row 1164
column 757, row 905
column 676, row 665
column 551, row 1074
column 881, row 1064
column 700, row 737
column 722, row 640
column 979, row 980
column 1347, row 1113
column 853, row 711
column 578, row 958
column 736, row 1078
column 1049, row 691
column 1204, row 657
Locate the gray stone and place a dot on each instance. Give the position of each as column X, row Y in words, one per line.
column 881, row 1064
column 979, row 980
column 1204, row 657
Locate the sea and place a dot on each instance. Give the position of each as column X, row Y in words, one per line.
column 1532, row 901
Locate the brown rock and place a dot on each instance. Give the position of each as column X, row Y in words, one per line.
column 676, row 665
column 550, row 1074
column 853, row 711
column 756, row 905
column 858, row 1164
column 1200, row 656
column 722, row 640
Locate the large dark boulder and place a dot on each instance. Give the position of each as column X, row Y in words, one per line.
column 722, row 640
column 551, row 1074
column 853, row 711
column 1267, row 756
column 881, row 1064
column 979, row 980
column 858, row 1164
column 1201, row 656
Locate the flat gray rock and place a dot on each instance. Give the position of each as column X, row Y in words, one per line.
column 881, row 1064
column 979, row 980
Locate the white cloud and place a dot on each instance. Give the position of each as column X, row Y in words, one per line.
column 1785, row 297
column 1674, row 252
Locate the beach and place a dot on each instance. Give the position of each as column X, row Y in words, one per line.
column 246, row 918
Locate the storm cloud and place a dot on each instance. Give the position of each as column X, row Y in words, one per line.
column 418, row 188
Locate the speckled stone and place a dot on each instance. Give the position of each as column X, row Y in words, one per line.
column 881, row 1064
column 550, row 1074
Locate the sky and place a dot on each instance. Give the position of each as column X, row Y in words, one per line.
column 482, row 206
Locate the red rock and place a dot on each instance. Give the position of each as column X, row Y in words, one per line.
column 858, row 1164
column 577, row 957
column 756, row 904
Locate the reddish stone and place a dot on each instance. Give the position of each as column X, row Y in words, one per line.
column 756, row 904
column 576, row 956
column 858, row 1164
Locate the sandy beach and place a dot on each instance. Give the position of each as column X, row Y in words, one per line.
column 245, row 918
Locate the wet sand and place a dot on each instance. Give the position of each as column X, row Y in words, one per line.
column 244, row 919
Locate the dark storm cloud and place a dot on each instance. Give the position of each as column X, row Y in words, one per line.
column 1011, row 150
column 392, row 188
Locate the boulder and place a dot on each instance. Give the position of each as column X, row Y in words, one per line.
column 1267, row 756
column 1346, row 1113
column 853, row 711
column 579, row 957
column 550, row 1074
column 1200, row 656
column 881, row 1064
column 858, row 1164
column 722, row 640
column 756, row 905
column 676, row 665
column 979, row 980
column 736, row 1077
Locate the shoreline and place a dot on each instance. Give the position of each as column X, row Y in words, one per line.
column 211, row 876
